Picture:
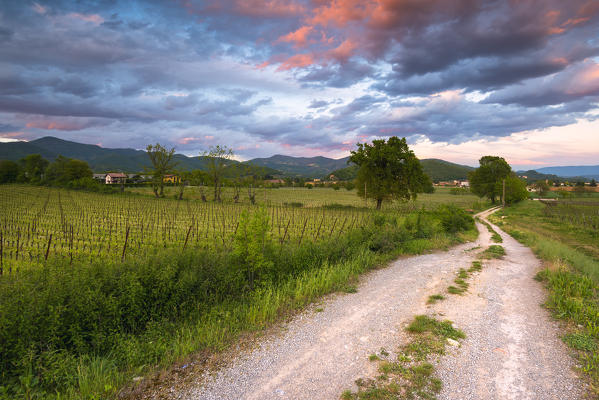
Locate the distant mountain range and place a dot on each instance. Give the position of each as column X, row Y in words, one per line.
column 129, row 160
column 108, row 160
column 587, row 171
column 312, row 167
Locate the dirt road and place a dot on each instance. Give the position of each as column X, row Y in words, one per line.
column 512, row 349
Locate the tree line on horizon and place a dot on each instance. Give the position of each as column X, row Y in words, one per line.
column 386, row 170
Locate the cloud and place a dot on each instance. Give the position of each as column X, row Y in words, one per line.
column 565, row 145
column 331, row 72
column 576, row 82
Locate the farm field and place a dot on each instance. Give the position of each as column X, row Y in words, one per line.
column 97, row 289
column 319, row 197
column 37, row 223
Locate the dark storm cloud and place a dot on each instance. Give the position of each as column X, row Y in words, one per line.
column 224, row 65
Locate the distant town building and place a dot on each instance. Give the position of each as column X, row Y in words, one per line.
column 115, row 177
column 171, row 179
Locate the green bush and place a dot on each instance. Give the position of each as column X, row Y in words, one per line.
column 454, row 219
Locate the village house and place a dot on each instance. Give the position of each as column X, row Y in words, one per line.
column 170, row 178
column 115, row 177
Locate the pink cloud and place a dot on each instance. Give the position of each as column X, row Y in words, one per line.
column 340, row 12
column 94, row 18
column 268, row 8
column 344, row 51
column 187, row 140
column 299, row 37
column 57, row 125
column 38, row 8
column 11, row 136
column 296, row 61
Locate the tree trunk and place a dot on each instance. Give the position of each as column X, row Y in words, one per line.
column 216, row 196
column 379, row 202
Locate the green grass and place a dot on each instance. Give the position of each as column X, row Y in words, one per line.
column 493, row 251
column 411, row 374
column 570, row 251
column 462, row 276
column 432, row 299
column 477, row 266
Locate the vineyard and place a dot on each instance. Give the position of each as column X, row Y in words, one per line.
column 580, row 214
column 322, row 197
column 99, row 288
column 38, row 223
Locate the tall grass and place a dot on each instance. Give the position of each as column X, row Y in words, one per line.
column 85, row 330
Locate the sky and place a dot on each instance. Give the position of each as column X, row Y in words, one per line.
column 458, row 78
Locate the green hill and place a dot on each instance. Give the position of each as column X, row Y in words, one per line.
column 440, row 170
column 309, row 167
column 100, row 159
column 437, row 170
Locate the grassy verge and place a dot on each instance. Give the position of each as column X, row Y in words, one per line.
column 571, row 276
column 86, row 330
column 462, row 276
column 493, row 251
column 411, row 374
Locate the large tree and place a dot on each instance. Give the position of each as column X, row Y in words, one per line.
column 218, row 158
column 64, row 170
column 33, row 167
column 388, row 170
column 9, row 170
column 162, row 163
column 484, row 180
column 515, row 189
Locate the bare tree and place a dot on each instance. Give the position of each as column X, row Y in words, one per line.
column 236, row 190
column 202, row 195
column 181, row 181
column 252, row 194
column 162, row 163
column 218, row 158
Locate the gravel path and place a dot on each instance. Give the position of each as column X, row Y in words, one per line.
column 512, row 350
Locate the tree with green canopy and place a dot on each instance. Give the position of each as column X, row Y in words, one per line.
column 162, row 164
column 64, row 170
column 218, row 158
column 9, row 170
column 484, row 179
column 33, row 168
column 515, row 189
column 542, row 187
column 388, row 170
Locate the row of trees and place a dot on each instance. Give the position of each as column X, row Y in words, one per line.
column 217, row 157
column 387, row 170
column 37, row 170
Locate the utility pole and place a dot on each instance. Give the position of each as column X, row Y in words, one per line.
column 503, row 197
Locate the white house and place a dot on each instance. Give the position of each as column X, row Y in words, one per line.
column 115, row 177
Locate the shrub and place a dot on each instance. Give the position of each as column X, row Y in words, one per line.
column 454, row 219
